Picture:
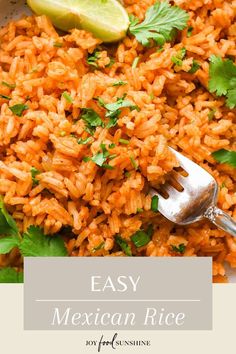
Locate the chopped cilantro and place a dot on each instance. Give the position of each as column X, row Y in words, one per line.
column 119, row 83
column 111, row 146
column 92, row 58
column 114, row 109
column 5, row 97
column 123, row 245
column 159, row 50
column 152, row 96
column 92, row 120
column 11, row 86
column 189, row 31
column 18, row 109
column 161, row 21
column 223, row 185
column 99, row 247
column 34, row 172
column 195, row 67
column 135, row 62
column 124, row 141
column 223, row 79
column 67, row 97
column 102, row 158
column 179, row 249
column 139, row 210
column 211, row 114
column 154, row 203
column 225, row 156
column 84, row 141
column 133, row 162
column 112, row 62
column 178, row 58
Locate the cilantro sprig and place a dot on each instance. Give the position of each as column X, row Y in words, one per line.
column 223, row 79
column 91, row 119
column 178, row 58
column 32, row 243
column 113, row 110
column 8, row 225
column 34, row 172
column 102, row 158
column 179, row 249
column 18, row 109
column 160, row 23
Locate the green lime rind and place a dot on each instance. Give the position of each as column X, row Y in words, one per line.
column 106, row 19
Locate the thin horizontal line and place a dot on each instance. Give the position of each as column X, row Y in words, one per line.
column 117, row 300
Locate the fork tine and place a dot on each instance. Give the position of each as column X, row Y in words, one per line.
column 188, row 165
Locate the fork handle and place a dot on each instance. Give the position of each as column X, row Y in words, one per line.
column 221, row 220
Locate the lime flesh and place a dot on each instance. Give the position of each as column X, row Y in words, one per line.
column 106, row 19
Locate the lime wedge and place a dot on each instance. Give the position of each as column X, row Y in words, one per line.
column 106, row 19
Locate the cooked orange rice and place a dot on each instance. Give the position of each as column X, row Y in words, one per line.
column 90, row 205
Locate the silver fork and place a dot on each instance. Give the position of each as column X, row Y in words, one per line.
column 196, row 201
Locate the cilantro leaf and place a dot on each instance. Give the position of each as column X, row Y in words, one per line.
column 114, row 109
column 11, row 86
column 223, row 79
column 211, row 114
column 119, row 83
column 178, row 58
column 133, row 162
column 10, row 275
column 36, row 244
column 92, row 58
column 18, row 109
column 101, row 157
column 67, row 97
column 195, row 67
column 5, row 97
column 123, row 245
column 231, row 98
column 225, row 156
column 7, row 223
column 99, row 247
column 189, row 31
column 160, row 21
column 84, row 141
column 92, row 120
column 7, row 243
column 34, row 172
column 179, row 249
column 124, row 141
column 140, row 238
